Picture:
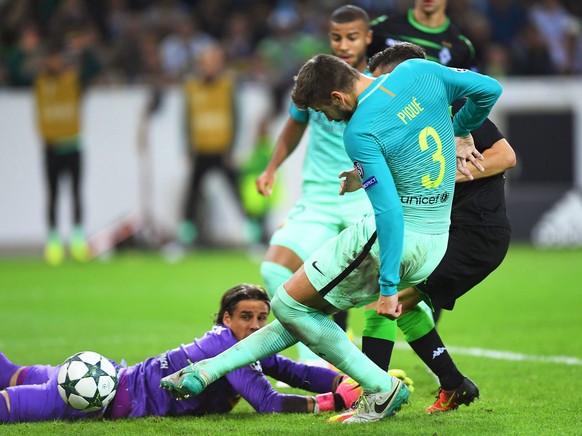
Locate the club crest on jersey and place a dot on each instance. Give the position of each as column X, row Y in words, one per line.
column 359, row 169
column 369, row 182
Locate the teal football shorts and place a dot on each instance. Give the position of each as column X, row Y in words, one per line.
column 346, row 268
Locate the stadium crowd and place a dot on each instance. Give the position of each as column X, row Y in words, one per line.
column 128, row 42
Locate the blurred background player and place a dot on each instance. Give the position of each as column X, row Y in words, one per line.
column 428, row 26
column 30, row 393
column 257, row 206
column 211, row 116
column 58, row 96
column 320, row 213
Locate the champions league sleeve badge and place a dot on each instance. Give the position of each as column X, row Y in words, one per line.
column 359, row 169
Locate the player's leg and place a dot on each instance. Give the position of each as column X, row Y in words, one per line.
column 193, row 379
column 12, row 374
column 54, row 251
column 37, row 402
column 307, row 226
column 79, row 247
column 302, row 310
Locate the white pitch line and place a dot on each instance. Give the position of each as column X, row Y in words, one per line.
column 505, row 355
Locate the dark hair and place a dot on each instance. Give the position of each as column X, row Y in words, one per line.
column 318, row 77
column 390, row 57
column 349, row 13
column 237, row 294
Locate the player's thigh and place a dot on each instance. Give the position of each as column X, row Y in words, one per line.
column 305, row 229
column 345, row 269
column 472, row 254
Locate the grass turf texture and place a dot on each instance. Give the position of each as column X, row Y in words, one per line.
column 136, row 306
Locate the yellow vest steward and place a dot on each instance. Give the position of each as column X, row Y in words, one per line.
column 58, row 101
column 211, row 112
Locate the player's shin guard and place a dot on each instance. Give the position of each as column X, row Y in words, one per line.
column 269, row 340
column 378, row 338
column 328, row 340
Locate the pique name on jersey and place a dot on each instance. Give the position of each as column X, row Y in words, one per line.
column 410, row 111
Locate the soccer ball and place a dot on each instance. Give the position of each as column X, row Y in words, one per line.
column 87, row 381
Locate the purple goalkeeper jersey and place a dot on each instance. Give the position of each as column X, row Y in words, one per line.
column 139, row 392
column 143, row 380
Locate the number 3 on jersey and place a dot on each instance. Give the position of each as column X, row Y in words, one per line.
column 437, row 156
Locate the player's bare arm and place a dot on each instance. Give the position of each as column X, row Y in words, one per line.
column 286, row 143
column 497, row 159
column 466, row 151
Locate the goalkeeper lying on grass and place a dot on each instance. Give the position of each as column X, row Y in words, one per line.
column 30, row 392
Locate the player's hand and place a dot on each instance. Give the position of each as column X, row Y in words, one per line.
column 466, row 151
column 350, row 390
column 265, row 183
column 350, row 181
column 388, row 306
column 401, row 374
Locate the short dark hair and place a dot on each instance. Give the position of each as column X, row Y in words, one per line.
column 390, row 57
column 239, row 293
column 319, row 77
column 349, row 13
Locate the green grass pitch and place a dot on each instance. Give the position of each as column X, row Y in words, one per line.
column 512, row 335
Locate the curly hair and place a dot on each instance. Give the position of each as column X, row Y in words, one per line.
column 319, row 77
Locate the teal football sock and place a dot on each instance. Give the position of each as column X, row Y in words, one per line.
column 329, row 341
column 274, row 275
column 265, row 342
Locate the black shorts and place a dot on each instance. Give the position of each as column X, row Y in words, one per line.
column 472, row 254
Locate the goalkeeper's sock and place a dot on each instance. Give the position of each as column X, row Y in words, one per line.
column 7, row 370
column 329, row 341
column 378, row 338
column 432, row 351
column 36, row 374
column 265, row 342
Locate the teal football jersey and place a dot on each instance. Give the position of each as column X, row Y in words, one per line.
column 402, row 143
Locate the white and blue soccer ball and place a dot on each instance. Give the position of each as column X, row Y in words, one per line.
column 87, row 381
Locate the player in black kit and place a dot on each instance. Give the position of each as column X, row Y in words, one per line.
column 428, row 26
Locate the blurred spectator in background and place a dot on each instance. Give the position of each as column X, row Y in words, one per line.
column 23, row 61
column 283, row 32
column 58, row 92
column 561, row 31
column 211, row 127
column 531, row 54
column 180, row 48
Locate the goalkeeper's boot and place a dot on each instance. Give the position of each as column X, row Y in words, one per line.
column 466, row 393
column 373, row 407
column 185, row 383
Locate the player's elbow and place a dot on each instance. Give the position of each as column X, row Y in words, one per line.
column 509, row 157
